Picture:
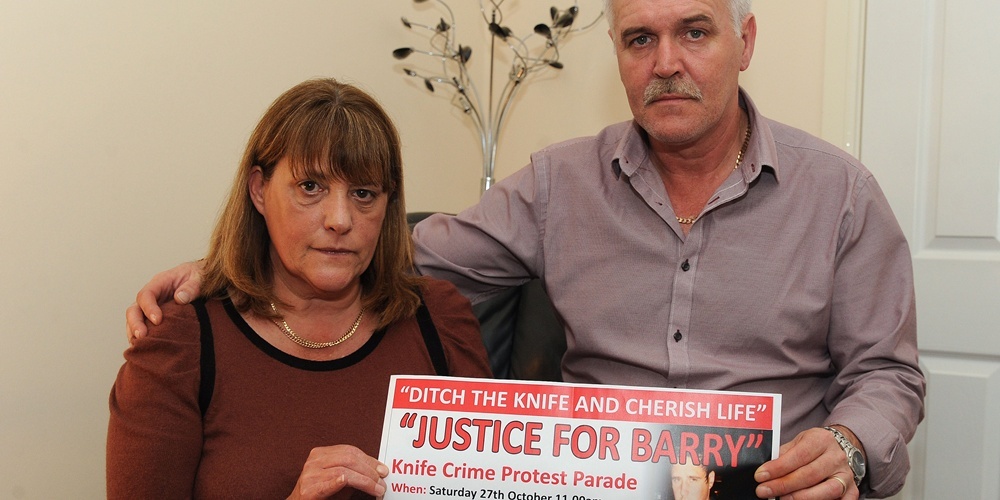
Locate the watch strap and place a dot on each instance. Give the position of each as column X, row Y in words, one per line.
column 850, row 450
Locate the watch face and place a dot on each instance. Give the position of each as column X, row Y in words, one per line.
column 857, row 463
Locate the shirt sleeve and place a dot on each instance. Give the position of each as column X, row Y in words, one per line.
column 493, row 245
column 155, row 433
column 879, row 388
column 458, row 329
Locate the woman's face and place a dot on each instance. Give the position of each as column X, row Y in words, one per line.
column 323, row 233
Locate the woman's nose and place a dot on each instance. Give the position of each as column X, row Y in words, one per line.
column 337, row 213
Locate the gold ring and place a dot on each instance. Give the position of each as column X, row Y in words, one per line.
column 842, row 483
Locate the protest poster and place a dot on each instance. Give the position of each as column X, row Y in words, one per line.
column 450, row 437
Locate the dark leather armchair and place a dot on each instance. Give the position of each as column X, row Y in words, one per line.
column 522, row 333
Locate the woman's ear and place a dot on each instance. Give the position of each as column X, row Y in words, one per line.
column 255, row 186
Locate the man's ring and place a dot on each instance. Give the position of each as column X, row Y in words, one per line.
column 842, row 483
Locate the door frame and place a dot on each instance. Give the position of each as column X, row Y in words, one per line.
column 843, row 67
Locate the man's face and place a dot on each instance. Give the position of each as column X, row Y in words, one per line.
column 691, row 482
column 679, row 61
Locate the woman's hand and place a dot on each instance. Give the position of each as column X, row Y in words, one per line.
column 811, row 466
column 330, row 469
column 183, row 282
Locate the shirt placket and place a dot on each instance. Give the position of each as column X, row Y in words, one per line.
column 681, row 300
column 681, row 304
column 685, row 254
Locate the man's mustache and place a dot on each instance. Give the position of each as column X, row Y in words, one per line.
column 673, row 86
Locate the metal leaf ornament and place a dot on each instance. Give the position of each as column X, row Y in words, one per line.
column 501, row 31
column 464, row 53
column 535, row 51
column 565, row 19
column 402, row 53
column 544, row 30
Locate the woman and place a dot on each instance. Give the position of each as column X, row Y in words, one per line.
column 274, row 383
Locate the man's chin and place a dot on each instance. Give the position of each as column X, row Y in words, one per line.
column 663, row 135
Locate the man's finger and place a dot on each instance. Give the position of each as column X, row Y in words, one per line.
column 135, row 323
column 184, row 294
column 149, row 307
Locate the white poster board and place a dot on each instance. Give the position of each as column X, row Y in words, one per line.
column 500, row 439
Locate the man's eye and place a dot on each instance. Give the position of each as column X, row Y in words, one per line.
column 696, row 34
column 641, row 40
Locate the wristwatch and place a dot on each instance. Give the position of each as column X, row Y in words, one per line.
column 855, row 459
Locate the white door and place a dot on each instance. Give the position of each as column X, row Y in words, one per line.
column 930, row 131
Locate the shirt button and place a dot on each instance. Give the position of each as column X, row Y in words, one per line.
column 686, row 266
column 678, row 336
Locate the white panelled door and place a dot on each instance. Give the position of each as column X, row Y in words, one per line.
column 930, row 131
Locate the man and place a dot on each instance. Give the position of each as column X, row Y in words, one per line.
column 704, row 246
column 691, row 482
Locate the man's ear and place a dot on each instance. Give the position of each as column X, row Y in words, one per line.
column 711, row 478
column 749, row 38
column 255, row 186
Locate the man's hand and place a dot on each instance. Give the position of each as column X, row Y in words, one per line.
column 810, row 467
column 183, row 282
column 332, row 468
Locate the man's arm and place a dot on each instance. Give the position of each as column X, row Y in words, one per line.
column 491, row 246
column 182, row 282
column 876, row 398
column 878, row 391
column 486, row 251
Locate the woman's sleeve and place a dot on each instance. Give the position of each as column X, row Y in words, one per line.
column 458, row 328
column 155, row 431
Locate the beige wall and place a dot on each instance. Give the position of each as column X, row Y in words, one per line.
column 120, row 125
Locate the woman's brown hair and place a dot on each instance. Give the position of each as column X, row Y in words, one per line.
column 327, row 130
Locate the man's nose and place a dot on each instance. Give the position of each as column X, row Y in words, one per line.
column 669, row 59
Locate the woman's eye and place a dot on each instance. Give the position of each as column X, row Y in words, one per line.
column 364, row 194
column 309, row 186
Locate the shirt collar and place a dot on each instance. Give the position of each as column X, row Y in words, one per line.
column 632, row 152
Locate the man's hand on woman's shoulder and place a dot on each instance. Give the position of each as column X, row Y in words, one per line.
column 182, row 283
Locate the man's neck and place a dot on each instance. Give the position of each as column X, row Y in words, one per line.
column 705, row 157
column 692, row 175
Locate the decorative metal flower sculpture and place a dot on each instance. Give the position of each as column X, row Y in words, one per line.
column 529, row 53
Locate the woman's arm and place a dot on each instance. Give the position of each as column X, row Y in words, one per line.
column 154, row 432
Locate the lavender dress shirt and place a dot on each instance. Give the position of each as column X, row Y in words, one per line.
column 796, row 279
